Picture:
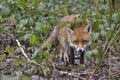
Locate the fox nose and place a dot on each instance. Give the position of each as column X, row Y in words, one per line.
column 80, row 50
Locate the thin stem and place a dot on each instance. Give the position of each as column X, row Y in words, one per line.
column 110, row 64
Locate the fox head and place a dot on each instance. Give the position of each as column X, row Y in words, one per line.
column 80, row 36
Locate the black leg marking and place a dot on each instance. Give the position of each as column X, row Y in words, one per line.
column 82, row 57
column 72, row 59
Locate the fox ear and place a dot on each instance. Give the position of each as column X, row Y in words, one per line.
column 69, row 31
column 88, row 29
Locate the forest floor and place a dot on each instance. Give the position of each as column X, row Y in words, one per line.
column 108, row 70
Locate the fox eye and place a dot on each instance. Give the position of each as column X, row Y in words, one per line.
column 75, row 41
column 84, row 41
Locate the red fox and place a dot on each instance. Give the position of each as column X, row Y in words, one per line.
column 72, row 38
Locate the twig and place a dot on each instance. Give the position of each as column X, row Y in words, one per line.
column 110, row 65
column 26, row 54
column 101, row 59
column 32, row 61
column 22, row 50
column 75, row 73
column 53, row 64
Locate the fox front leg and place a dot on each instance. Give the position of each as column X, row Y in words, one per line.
column 61, row 54
column 66, row 58
column 64, row 54
column 82, row 57
column 72, row 55
column 69, row 56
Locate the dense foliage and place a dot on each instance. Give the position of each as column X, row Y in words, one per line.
column 31, row 21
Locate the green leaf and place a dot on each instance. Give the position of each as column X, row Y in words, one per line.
column 47, row 25
column 47, row 56
column 31, row 21
column 26, row 36
column 17, row 17
column 38, row 56
column 101, row 27
column 10, row 50
column 93, row 13
column 79, row 20
column 95, row 53
column 101, row 51
column 48, row 45
column 5, row 11
column 32, row 39
column 92, row 46
column 114, row 16
column 65, row 11
column 22, row 3
column 82, row 65
column 39, row 26
column 103, row 33
column 95, row 36
column 94, row 27
column 41, row 7
column 35, row 3
column 19, row 61
column 23, row 22
column 88, row 54
column 2, row 56
column 24, row 78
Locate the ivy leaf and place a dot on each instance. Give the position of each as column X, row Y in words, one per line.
column 23, row 22
column 38, row 56
column 37, row 43
column 114, row 16
column 95, row 36
column 103, row 33
column 22, row 3
column 47, row 56
column 88, row 54
column 101, row 51
column 10, row 50
column 65, row 11
column 19, row 60
column 5, row 11
column 95, row 52
column 26, row 36
column 41, row 7
column 31, row 21
column 37, row 26
column 79, row 20
column 24, row 78
column 92, row 46
column 48, row 46
column 2, row 56
column 35, row 3
column 32, row 39
column 82, row 65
